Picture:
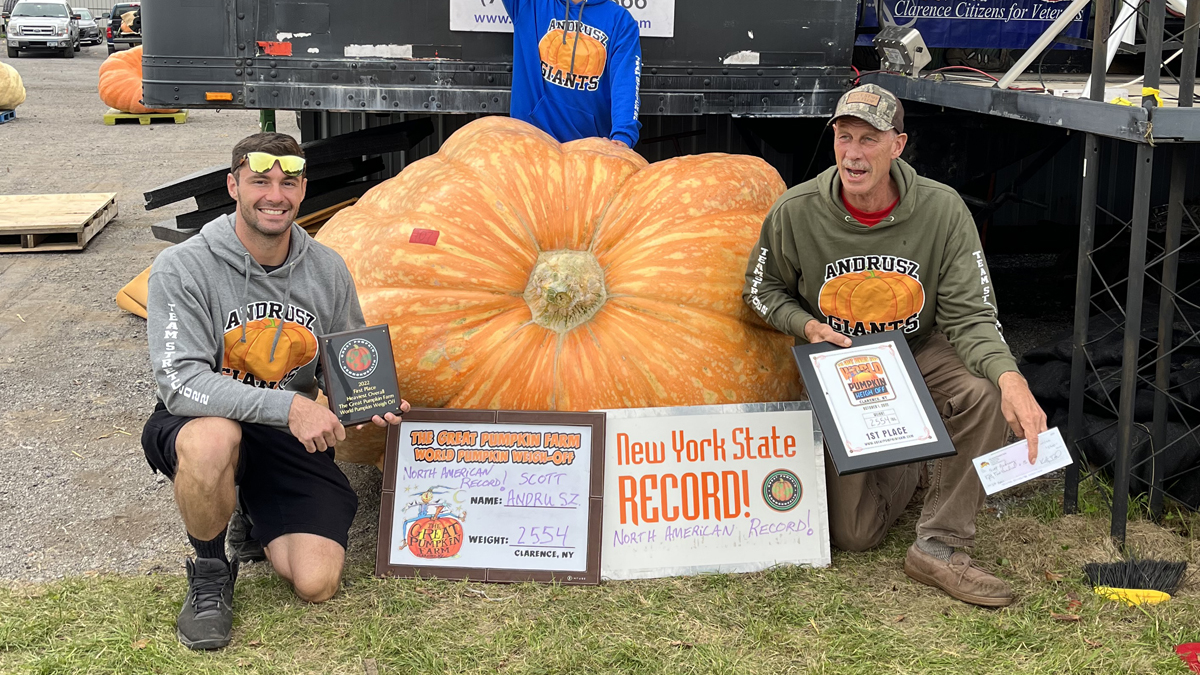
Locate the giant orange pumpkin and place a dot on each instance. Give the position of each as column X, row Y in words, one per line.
column 558, row 51
column 519, row 273
column 121, row 82
column 297, row 346
column 872, row 296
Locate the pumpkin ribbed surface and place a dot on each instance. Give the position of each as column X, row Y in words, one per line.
column 12, row 90
column 121, row 82
column 519, row 273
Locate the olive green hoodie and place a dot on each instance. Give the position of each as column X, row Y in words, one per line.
column 920, row 269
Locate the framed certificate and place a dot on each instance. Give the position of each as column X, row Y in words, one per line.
column 487, row 495
column 872, row 403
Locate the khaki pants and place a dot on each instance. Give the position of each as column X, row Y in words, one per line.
column 863, row 506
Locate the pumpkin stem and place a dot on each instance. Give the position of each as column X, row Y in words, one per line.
column 566, row 289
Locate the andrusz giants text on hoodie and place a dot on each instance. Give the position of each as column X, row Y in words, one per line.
column 228, row 339
column 576, row 68
column 920, row 269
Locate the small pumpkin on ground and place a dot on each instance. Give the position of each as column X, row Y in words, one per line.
column 518, row 273
column 121, row 82
column 12, row 90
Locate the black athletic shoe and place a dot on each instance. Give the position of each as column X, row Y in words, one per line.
column 242, row 547
column 206, row 620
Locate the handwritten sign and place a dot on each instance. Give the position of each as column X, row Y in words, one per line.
column 511, row 495
column 736, row 488
column 655, row 18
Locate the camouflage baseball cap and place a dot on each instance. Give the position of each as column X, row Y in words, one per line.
column 874, row 105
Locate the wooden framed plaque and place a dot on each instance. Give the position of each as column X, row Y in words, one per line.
column 498, row 496
column 872, row 403
column 360, row 374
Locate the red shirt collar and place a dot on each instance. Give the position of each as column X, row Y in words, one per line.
column 870, row 219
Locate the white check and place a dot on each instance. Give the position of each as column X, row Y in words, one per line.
column 1010, row 465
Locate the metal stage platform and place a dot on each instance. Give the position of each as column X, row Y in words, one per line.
column 1148, row 345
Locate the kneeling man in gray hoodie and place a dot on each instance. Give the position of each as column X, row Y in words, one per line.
column 234, row 315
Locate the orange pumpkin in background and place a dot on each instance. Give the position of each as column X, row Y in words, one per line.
column 297, row 346
column 121, row 82
column 518, row 273
column 872, row 296
column 590, row 54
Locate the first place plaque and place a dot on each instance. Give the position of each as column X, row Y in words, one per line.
column 360, row 374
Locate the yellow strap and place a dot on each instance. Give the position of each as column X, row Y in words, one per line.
column 1151, row 91
column 1121, row 100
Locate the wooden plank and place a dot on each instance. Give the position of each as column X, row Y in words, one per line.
column 78, row 219
column 41, row 214
column 396, row 137
column 113, row 116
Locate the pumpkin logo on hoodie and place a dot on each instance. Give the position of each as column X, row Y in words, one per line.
column 251, row 360
column 872, row 294
column 573, row 55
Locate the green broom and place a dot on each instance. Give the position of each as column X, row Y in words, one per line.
column 1136, row 581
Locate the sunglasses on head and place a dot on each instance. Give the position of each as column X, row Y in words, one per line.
column 261, row 162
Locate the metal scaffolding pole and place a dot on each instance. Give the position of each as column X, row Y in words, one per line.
column 1083, row 270
column 1142, row 182
column 1170, row 270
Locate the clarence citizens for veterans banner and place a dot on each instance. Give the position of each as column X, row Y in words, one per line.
column 735, row 488
column 977, row 24
column 655, row 18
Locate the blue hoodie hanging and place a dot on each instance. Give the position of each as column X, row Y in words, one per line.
column 576, row 68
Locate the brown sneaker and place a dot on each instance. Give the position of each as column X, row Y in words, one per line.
column 960, row 578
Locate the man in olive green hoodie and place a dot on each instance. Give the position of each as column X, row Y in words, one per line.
column 871, row 218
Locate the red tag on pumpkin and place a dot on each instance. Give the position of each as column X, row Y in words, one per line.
column 276, row 48
column 1190, row 653
column 420, row 236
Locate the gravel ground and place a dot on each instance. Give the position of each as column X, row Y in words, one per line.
column 76, row 493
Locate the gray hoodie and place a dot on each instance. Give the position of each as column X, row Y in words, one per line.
column 229, row 340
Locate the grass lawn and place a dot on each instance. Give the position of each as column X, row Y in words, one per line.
column 862, row 615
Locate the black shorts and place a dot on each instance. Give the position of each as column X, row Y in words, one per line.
column 284, row 488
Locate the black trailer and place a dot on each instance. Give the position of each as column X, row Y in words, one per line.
column 783, row 58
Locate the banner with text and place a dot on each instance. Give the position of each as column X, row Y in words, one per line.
column 655, row 18
column 735, row 488
column 971, row 24
column 481, row 495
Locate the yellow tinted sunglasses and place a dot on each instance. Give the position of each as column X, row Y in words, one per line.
column 261, row 162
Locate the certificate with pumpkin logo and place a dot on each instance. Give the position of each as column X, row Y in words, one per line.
column 872, row 403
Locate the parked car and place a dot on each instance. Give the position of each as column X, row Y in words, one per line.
column 124, row 26
column 89, row 30
column 43, row 26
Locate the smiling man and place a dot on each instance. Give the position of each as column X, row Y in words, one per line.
column 234, row 315
column 870, row 246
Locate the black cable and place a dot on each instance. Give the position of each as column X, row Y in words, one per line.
column 816, row 150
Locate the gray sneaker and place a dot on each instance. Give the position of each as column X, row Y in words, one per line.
column 239, row 544
column 206, row 620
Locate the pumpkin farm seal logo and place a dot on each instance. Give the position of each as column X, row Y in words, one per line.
column 358, row 358
column 872, row 294
column 781, row 490
column 865, row 379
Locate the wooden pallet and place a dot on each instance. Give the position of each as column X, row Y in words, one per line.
column 7, row 116
column 113, row 116
column 36, row 223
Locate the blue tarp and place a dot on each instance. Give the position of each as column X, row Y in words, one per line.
column 973, row 24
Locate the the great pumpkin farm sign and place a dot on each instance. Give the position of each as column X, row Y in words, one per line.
column 735, row 488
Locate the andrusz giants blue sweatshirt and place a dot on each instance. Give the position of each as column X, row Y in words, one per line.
column 576, row 68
